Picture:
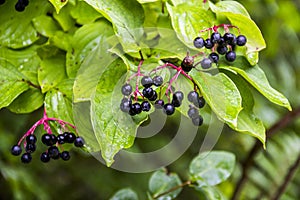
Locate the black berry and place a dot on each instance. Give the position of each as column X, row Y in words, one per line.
column 30, row 148
column 148, row 92
column 159, row 103
column 158, row 80
column 26, row 158
column 79, row 142
column 206, row 63
column 193, row 96
column 65, row 155
column 169, row 109
column 16, row 150
column 61, row 139
column 45, row 157
column 230, row 56
column 229, row 38
column 2, row 2
column 31, row 139
column 208, row 44
column 49, row 139
column 147, row 81
column 19, row 7
column 53, row 152
column 200, row 103
column 154, row 96
column 214, row 57
column 222, row 49
column 126, row 89
column 199, row 42
column 146, row 106
column 69, row 137
column 187, row 63
column 215, row 37
column 193, row 113
column 125, row 105
column 241, row 40
column 178, row 95
column 176, row 103
column 136, row 108
column 198, row 121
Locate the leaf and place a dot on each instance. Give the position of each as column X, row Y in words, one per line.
column 229, row 6
column 64, row 18
column 127, row 20
column 257, row 78
column 27, row 102
column 188, row 20
column 211, row 192
column 84, row 13
column 89, row 44
column 12, row 83
column 221, row 94
column 125, row 194
column 211, row 168
column 45, row 25
column 113, row 129
column 160, row 182
column 16, row 28
column 51, row 72
column 58, row 4
column 248, row 122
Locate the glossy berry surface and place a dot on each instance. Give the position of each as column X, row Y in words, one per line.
column 31, row 139
column 148, row 92
column 230, row 56
column 208, row 44
column 147, row 81
column 222, row 49
column 65, row 155
column 26, row 158
column 49, row 139
column 169, row 109
column 159, row 104
column 53, row 152
column 193, row 96
column 187, row 63
column 158, row 80
column 135, row 109
column 79, row 142
column 45, row 157
column 61, row 139
column 197, row 121
column 69, row 137
column 16, row 150
column 30, row 148
column 126, row 89
column 200, row 103
column 214, row 57
column 176, row 103
column 206, row 63
column 154, row 96
column 125, row 105
column 2, row 2
column 199, row 42
column 241, row 40
column 146, row 106
column 193, row 113
column 178, row 95
column 229, row 38
column 215, row 37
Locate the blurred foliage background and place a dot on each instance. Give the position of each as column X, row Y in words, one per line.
column 83, row 177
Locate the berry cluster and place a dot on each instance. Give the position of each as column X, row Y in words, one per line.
column 220, row 45
column 53, row 142
column 21, row 5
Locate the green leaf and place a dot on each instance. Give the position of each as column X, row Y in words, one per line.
column 161, row 182
column 229, row 6
column 84, row 13
column 12, row 83
column 51, row 72
column 211, row 192
column 64, row 18
column 58, row 4
column 89, row 44
column 221, row 94
column 45, row 25
column 125, row 194
column 248, row 122
column 15, row 34
column 211, row 168
column 257, row 78
column 27, row 102
column 188, row 20
column 127, row 20
column 113, row 129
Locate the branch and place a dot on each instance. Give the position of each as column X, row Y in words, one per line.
column 172, row 189
column 283, row 122
column 287, row 179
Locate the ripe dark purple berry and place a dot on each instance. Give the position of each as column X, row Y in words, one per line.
column 154, row 96
column 208, row 44
column 159, row 104
column 199, row 42
column 65, row 155
column 136, row 108
column 206, row 63
column 49, row 139
column 214, row 57
column 146, row 106
column 193, row 113
column 222, row 49
column 229, row 38
column 126, row 89
column 16, row 150
column 169, row 109
column 31, row 139
column 158, row 80
column 187, row 63
column 26, row 158
column 45, row 157
column 69, row 137
column 148, row 92
column 241, row 40
column 200, row 103
column 30, row 148
column 125, row 105
column 176, row 103
column 2, row 2
column 147, row 81
column 79, row 142
column 215, row 37
column 19, row 7
column 197, row 121
column 230, row 56
column 61, row 139
column 193, row 96
column 53, row 152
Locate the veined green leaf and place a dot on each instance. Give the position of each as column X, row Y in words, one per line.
column 221, row 94
column 229, row 6
column 211, row 168
column 45, row 25
column 125, row 194
column 84, row 13
column 127, row 18
column 58, row 4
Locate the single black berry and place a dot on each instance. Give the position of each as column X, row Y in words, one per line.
column 215, row 37
column 230, row 56
column 69, row 137
column 221, row 41
column 79, row 142
column 45, row 157
column 176, row 103
column 178, row 95
column 53, row 152
column 147, row 81
column 187, row 63
column 169, row 109
column 214, row 57
column 154, row 96
column 241, row 40
column 208, row 44
column 2, row 2
column 126, row 89
column 125, row 105
column 19, row 7
column 193, row 112
column 206, row 63
column 135, row 109
column 30, row 148
column 198, row 121
column 159, row 103
column 31, row 139
column 146, row 106
column 200, row 103
column 148, row 92
column 61, row 139
column 16, row 150
column 229, row 38
column 49, row 139
column 199, row 42
column 26, row 158
column 222, row 49
column 65, row 155
column 193, row 96
column 158, row 80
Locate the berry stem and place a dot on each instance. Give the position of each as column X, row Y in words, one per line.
column 138, row 74
column 174, row 78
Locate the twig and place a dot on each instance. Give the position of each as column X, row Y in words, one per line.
column 284, row 121
column 172, row 189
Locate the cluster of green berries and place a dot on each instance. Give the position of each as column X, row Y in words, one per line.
column 52, row 142
column 220, row 45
